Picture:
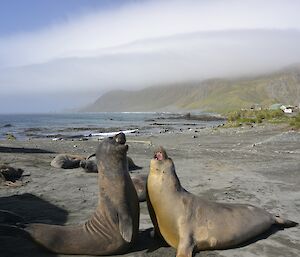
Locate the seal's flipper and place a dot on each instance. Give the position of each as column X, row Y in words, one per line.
column 184, row 251
column 285, row 223
column 126, row 227
column 90, row 156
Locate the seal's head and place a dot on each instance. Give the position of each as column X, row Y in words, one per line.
column 112, row 148
column 161, row 164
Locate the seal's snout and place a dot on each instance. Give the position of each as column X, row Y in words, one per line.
column 160, row 154
column 120, row 138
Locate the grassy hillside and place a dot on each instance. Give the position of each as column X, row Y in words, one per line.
column 219, row 95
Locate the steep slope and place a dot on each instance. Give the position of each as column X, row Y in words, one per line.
column 213, row 95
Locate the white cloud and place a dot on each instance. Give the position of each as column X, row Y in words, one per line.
column 179, row 58
column 151, row 19
column 152, row 42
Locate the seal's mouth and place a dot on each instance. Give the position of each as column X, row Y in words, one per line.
column 119, row 142
column 120, row 138
column 160, row 154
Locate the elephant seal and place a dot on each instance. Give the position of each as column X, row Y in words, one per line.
column 67, row 161
column 139, row 180
column 114, row 226
column 10, row 176
column 190, row 223
column 9, row 173
column 89, row 164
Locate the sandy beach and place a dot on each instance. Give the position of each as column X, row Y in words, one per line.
column 257, row 165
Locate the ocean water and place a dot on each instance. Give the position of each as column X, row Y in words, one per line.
column 75, row 125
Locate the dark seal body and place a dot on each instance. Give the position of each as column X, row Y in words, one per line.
column 8, row 173
column 113, row 227
column 190, row 223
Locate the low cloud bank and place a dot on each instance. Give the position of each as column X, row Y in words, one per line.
column 186, row 57
column 149, row 43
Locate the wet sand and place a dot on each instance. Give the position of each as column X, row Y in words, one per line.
column 260, row 166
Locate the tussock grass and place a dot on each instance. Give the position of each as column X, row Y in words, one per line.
column 242, row 117
column 295, row 121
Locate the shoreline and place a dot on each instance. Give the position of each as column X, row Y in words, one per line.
column 80, row 125
column 257, row 165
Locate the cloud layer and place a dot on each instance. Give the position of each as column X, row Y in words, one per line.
column 151, row 42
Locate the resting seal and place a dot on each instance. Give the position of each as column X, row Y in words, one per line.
column 190, row 223
column 9, row 173
column 67, row 161
column 113, row 227
column 10, row 176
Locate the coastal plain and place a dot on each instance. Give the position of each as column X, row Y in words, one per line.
column 257, row 165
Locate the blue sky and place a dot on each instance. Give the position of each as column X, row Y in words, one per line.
column 66, row 53
column 17, row 16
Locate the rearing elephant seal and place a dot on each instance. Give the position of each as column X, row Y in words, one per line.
column 189, row 223
column 113, row 227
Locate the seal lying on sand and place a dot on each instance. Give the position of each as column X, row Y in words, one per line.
column 10, row 176
column 66, row 161
column 113, row 227
column 190, row 223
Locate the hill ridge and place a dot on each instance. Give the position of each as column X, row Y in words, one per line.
column 216, row 95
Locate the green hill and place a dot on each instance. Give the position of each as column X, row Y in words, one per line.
column 218, row 95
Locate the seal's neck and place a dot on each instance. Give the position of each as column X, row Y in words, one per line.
column 112, row 166
column 164, row 183
column 112, row 174
column 174, row 182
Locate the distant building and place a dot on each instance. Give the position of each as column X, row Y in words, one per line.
column 285, row 108
column 289, row 109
